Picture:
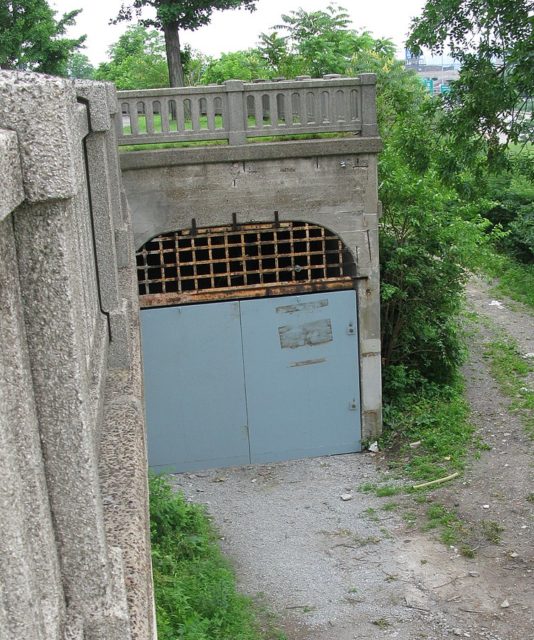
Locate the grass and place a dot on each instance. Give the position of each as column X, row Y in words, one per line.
column 513, row 279
column 195, row 590
column 438, row 419
column 511, row 370
column 453, row 531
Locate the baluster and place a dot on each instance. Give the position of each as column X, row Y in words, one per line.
column 303, row 108
column 165, row 128
column 258, row 108
column 355, row 105
column 149, row 116
column 195, row 113
column 210, row 112
column 326, row 107
column 180, row 120
column 312, row 108
column 134, row 120
column 273, row 110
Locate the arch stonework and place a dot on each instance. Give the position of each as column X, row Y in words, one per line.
column 330, row 183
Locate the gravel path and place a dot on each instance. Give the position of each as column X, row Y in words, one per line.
column 335, row 569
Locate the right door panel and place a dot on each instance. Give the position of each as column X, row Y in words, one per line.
column 300, row 357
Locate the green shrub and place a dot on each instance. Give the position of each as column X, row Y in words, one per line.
column 194, row 585
column 512, row 191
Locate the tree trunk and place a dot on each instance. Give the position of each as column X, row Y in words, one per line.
column 174, row 56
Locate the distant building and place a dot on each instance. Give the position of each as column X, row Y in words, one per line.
column 413, row 61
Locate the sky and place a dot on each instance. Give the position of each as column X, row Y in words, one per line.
column 237, row 29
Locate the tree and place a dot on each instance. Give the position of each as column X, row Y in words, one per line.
column 316, row 42
column 137, row 60
column 172, row 16
column 79, row 66
column 493, row 41
column 31, row 38
column 237, row 65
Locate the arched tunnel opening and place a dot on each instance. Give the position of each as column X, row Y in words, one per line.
column 250, row 345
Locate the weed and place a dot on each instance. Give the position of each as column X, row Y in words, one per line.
column 530, row 497
column 367, row 487
column 382, row 491
column 467, row 551
column 515, row 279
column 451, row 528
column 510, row 370
column 410, row 517
column 491, row 531
column 381, row 623
column 436, row 416
column 390, row 506
column 362, row 542
column 388, row 490
column 371, row 514
column 194, row 585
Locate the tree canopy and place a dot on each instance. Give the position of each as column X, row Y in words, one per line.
column 493, row 40
column 137, row 60
column 79, row 66
column 317, row 43
column 173, row 16
column 32, row 39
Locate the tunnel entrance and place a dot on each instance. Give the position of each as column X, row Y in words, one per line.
column 250, row 343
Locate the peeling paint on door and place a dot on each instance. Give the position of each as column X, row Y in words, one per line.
column 305, row 335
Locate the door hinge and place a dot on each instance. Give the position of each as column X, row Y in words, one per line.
column 351, row 329
column 353, row 405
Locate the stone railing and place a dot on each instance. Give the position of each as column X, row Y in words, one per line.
column 237, row 111
column 74, row 543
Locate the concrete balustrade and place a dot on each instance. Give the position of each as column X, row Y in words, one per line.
column 237, row 111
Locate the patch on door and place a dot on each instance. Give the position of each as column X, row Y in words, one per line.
column 305, row 306
column 305, row 335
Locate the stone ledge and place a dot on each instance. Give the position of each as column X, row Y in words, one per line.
column 131, row 160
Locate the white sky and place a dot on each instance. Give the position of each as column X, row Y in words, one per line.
column 238, row 29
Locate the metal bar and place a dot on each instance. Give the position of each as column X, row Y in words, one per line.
column 254, row 291
column 194, row 261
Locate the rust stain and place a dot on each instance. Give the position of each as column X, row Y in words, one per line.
column 243, row 293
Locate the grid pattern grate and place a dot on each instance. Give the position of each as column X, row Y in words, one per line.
column 223, row 262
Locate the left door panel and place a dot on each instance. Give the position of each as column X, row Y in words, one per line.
column 195, row 387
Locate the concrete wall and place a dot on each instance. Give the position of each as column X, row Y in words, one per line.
column 332, row 183
column 74, row 534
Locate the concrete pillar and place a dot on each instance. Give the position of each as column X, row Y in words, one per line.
column 236, row 112
column 368, row 89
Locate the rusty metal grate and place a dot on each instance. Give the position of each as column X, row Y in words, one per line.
column 247, row 261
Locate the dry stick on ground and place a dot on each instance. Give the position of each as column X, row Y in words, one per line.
column 439, row 481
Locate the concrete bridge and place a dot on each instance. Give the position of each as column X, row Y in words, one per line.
column 329, row 182
column 74, row 534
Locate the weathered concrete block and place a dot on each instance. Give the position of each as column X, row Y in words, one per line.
column 40, row 109
column 29, row 571
column 100, row 187
column 47, row 261
column 119, row 347
column 96, row 96
column 11, row 187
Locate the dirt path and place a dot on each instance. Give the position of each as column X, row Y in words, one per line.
column 335, row 569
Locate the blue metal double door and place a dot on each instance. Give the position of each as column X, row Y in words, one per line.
column 263, row 380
